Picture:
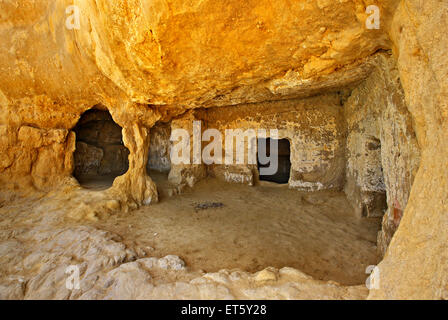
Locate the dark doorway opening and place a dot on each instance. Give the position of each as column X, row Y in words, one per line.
column 283, row 154
column 100, row 155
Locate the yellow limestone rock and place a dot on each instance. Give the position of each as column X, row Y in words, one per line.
column 151, row 60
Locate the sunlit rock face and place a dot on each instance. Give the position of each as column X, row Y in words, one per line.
column 176, row 52
column 370, row 104
column 147, row 61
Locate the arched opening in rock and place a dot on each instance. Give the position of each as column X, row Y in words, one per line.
column 100, row 155
column 283, row 154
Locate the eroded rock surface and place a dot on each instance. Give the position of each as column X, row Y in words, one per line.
column 160, row 61
column 37, row 253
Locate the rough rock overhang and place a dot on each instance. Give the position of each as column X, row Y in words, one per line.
column 166, row 52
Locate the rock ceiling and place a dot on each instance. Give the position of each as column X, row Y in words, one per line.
column 184, row 53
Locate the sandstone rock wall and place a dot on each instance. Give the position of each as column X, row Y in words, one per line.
column 27, row 152
column 415, row 265
column 151, row 50
column 148, row 60
column 383, row 154
column 189, row 169
column 160, row 148
column 39, row 145
column 145, row 60
column 314, row 126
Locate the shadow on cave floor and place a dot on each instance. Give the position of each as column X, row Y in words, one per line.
column 95, row 182
column 251, row 228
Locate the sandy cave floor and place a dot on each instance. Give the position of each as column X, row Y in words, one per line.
column 256, row 227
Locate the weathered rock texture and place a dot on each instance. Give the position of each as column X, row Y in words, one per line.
column 160, row 148
column 27, row 152
column 314, row 126
column 382, row 150
column 109, row 269
column 128, row 55
column 415, row 265
column 152, row 60
column 99, row 146
column 151, row 50
column 190, row 170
